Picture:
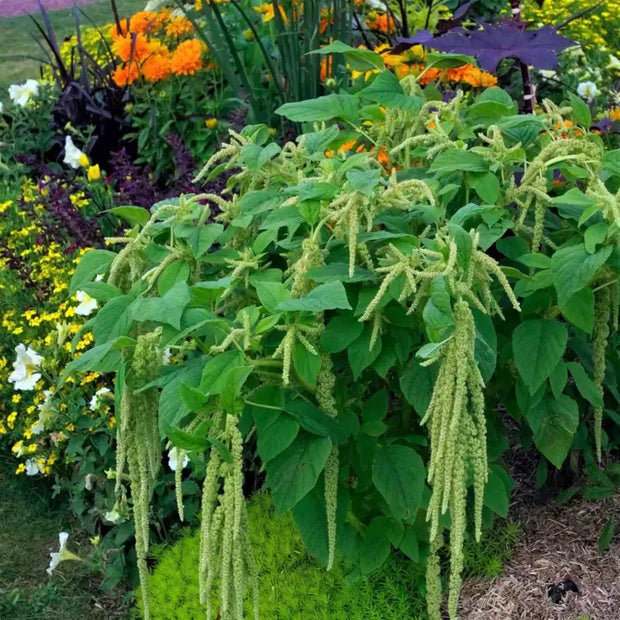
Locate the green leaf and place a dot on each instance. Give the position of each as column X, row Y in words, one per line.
column 399, row 474
column 271, row 294
column 554, row 422
column 102, row 358
column 101, row 291
column 417, row 384
column 176, row 271
column 386, row 90
column 458, row 160
column 581, row 111
column 573, row 268
column 339, row 272
column 295, row 471
column 595, row 235
column 607, row 534
column 321, row 109
column 579, row 310
column 359, row 355
column 558, row 379
column 275, row 431
column 496, row 495
column 375, row 548
column 328, row 296
column 214, row 373
column 358, row 59
column 135, row 216
column 487, row 186
column 167, row 309
column 538, row 261
column 447, row 61
column 587, row 388
column 307, row 365
column 199, row 238
column 340, row 332
column 485, row 351
column 363, row 181
column 611, row 162
column 538, row 346
column 92, row 264
column 521, row 128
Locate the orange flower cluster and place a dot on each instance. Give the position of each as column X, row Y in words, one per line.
column 348, row 146
column 146, row 42
column 381, row 22
column 467, row 74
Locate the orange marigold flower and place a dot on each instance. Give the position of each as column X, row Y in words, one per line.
column 156, row 68
column 430, row 76
column 476, row 78
column 135, row 46
column 382, row 22
column 143, row 21
column 125, row 75
column 187, row 58
column 614, row 114
column 179, row 26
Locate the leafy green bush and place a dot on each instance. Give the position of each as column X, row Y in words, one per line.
column 366, row 303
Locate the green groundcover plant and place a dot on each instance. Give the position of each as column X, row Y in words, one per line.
column 364, row 303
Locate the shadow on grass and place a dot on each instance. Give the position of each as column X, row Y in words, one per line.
column 29, row 525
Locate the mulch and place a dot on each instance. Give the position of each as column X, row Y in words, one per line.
column 12, row 8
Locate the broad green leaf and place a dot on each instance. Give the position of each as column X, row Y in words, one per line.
column 458, row 160
column 496, row 495
column 92, row 264
column 399, row 474
column 486, row 184
column 271, row 294
column 523, row 128
column 295, row 471
column 176, row 271
column 135, row 216
column 307, row 365
column 558, row 379
column 340, row 332
column 167, row 309
column 359, row 59
column 485, row 351
column 581, row 111
column 322, row 109
column 611, row 162
column 101, row 291
column 275, row 431
column 339, row 272
column 573, row 269
column 328, row 296
column 363, row 181
column 386, row 90
column 114, row 319
column 554, row 422
column 538, row 346
column 102, row 358
column 595, row 235
column 579, row 310
column 172, row 409
column 214, row 373
column 417, row 384
column 359, row 355
column 199, row 238
column 539, row 261
column 587, row 388
column 376, row 546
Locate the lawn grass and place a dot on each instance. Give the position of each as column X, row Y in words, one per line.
column 30, row 522
column 16, row 38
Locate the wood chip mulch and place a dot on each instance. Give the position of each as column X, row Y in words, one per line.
column 557, row 542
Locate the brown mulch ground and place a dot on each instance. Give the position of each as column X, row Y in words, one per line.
column 557, row 542
column 11, row 8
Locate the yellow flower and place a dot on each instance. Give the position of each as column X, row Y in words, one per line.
column 211, row 123
column 70, row 427
column 16, row 398
column 268, row 12
column 94, row 173
column 20, row 468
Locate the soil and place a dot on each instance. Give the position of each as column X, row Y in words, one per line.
column 12, row 8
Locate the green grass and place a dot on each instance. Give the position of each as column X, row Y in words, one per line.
column 31, row 522
column 15, row 34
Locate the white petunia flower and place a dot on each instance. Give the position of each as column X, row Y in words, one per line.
column 24, row 376
column 176, row 456
column 587, row 90
column 21, row 94
column 32, row 468
column 94, row 401
column 73, row 156
column 45, row 413
column 87, row 304
column 166, row 355
column 62, row 554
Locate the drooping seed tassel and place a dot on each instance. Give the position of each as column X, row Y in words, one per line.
column 600, row 335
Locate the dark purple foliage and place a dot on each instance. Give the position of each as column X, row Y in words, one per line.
column 133, row 183
column 493, row 42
